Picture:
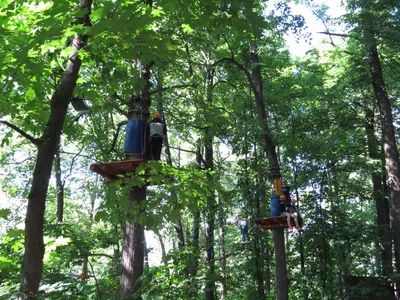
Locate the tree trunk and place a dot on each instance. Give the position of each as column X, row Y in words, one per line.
column 34, row 245
column 222, row 263
column 381, row 202
column 390, row 149
column 59, row 187
column 209, row 161
column 280, row 259
column 177, row 223
column 270, row 149
column 133, row 251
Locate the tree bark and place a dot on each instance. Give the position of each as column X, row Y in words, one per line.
column 34, row 245
column 392, row 162
column 177, row 223
column 59, row 187
column 222, row 263
column 210, row 215
column 270, row 149
column 381, row 202
column 133, row 251
column 280, row 260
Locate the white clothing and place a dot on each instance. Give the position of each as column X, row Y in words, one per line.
column 156, row 128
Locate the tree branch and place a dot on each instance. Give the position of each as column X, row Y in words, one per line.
column 116, row 134
column 190, row 151
column 78, row 154
column 229, row 46
column 35, row 141
column 335, row 34
column 240, row 66
column 172, row 87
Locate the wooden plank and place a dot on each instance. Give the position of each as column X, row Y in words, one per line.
column 112, row 169
column 272, row 222
column 272, row 226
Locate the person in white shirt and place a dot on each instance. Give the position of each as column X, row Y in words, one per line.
column 157, row 133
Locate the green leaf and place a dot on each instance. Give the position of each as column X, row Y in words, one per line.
column 4, row 213
column 30, row 94
column 101, row 215
column 13, row 233
column 97, row 14
column 186, row 28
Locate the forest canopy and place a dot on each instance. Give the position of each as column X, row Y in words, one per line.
column 249, row 133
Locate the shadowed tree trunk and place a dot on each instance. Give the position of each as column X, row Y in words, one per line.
column 177, row 223
column 59, row 187
column 133, row 241
column 210, row 214
column 133, row 251
column 390, row 150
column 282, row 286
column 381, row 202
column 34, row 245
column 222, row 264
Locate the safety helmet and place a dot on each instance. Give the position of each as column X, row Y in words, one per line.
column 282, row 198
column 156, row 116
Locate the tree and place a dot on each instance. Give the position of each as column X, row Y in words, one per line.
column 47, row 147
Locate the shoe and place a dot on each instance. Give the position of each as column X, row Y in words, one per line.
column 299, row 229
column 290, row 228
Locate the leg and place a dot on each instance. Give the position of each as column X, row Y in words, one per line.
column 289, row 221
column 296, row 220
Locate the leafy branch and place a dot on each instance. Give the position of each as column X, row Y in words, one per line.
column 35, row 141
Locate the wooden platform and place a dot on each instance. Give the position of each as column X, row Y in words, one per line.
column 112, row 170
column 272, row 222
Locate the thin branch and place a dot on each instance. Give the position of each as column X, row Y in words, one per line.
column 229, row 46
column 100, row 254
column 77, row 154
column 335, row 34
column 190, row 151
column 95, row 280
column 224, row 81
column 116, row 134
column 123, row 101
column 172, row 87
column 35, row 141
column 239, row 65
column 71, row 166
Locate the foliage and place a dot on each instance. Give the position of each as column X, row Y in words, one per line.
column 316, row 108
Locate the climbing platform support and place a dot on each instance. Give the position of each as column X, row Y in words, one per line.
column 272, row 222
column 112, row 171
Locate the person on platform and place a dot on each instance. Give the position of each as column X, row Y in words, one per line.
column 293, row 212
column 157, row 133
column 244, row 229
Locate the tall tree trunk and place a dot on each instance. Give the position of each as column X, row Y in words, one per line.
column 177, row 223
column 381, row 202
column 34, row 245
column 210, row 214
column 133, row 241
column 59, row 186
column 222, row 263
column 133, row 250
column 392, row 162
column 270, row 149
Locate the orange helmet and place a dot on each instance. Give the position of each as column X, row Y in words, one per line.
column 156, row 116
column 282, row 198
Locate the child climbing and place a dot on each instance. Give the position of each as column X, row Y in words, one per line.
column 157, row 133
column 288, row 207
column 292, row 212
column 244, row 228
